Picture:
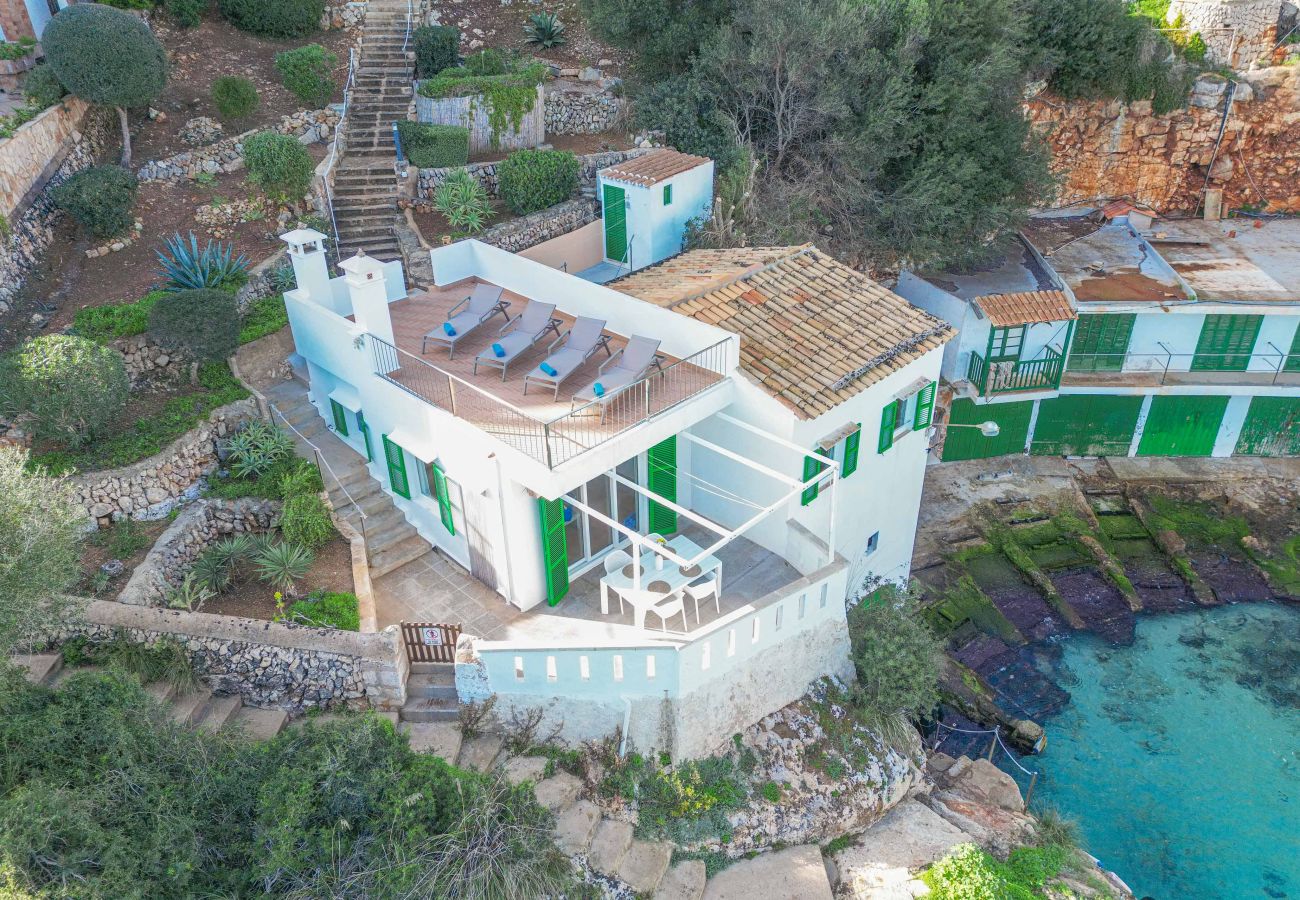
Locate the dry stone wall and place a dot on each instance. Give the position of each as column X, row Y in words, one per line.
column 151, row 488
column 572, row 110
column 1114, row 149
column 147, row 361
column 535, row 228
column 1236, row 32
column 486, row 172
column 472, row 113
column 226, row 156
column 202, row 524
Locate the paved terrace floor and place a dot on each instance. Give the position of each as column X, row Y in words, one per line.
column 434, row 589
column 417, row 315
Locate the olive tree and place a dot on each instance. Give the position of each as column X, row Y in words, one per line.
column 106, row 56
column 40, row 529
column 72, row 388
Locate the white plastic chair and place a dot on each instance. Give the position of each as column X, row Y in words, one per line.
column 614, row 561
column 703, row 591
column 668, row 608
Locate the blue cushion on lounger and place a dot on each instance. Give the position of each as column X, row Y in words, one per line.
column 498, row 350
column 598, row 389
column 451, row 332
column 547, row 368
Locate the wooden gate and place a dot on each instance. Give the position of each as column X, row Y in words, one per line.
column 430, row 641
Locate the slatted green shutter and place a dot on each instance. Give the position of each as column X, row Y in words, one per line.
column 662, row 480
column 850, row 464
column 811, row 467
column 365, row 433
column 668, row 194
column 1293, row 358
column 1100, row 342
column 924, row 406
column 615, row 223
column 555, row 553
column 340, row 417
column 439, row 482
column 888, row 419
column 1225, row 343
column 396, row 468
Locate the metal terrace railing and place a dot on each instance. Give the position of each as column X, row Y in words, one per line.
column 1261, row 367
column 1006, row 376
column 555, row 441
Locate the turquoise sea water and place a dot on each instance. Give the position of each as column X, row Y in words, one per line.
column 1180, row 755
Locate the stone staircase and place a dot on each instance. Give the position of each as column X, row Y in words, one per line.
column 359, row 498
column 199, row 708
column 365, row 182
column 431, row 694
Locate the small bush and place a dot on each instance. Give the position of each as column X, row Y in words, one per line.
column 896, row 655
column 186, row 13
column 114, row 320
column 235, row 97
column 306, row 521
column 301, row 478
column 42, row 87
column 282, row 565
column 203, row 325
column 274, row 18
column 72, row 387
column 327, row 609
column 966, row 873
column 263, row 317
column 434, row 146
column 308, row 73
column 436, row 47
column 535, row 179
column 100, row 199
column 486, row 62
column 278, row 164
column 463, row 201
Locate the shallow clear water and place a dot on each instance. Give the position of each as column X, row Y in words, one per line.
column 1180, row 755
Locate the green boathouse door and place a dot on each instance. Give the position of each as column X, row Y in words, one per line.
column 615, row 223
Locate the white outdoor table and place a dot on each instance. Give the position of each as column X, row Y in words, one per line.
column 667, row 580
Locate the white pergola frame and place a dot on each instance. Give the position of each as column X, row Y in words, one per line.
column 825, row 479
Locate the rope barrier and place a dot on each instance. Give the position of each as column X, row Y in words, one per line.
column 997, row 739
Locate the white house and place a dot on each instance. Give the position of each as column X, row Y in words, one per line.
column 1175, row 338
column 646, row 203
column 772, row 448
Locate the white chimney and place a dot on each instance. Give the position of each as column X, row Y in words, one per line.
column 310, row 270
column 364, row 276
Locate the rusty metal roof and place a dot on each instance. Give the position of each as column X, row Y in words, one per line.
column 654, row 167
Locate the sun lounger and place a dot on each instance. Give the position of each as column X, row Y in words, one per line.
column 583, row 339
column 482, row 304
column 518, row 335
column 625, row 367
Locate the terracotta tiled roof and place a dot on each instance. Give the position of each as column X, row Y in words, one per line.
column 653, row 167
column 1027, row 308
column 813, row 332
column 1116, row 208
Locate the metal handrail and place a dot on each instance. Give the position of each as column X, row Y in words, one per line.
column 409, row 12
column 1079, row 363
column 334, row 145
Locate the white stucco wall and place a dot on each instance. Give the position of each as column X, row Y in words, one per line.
column 655, row 231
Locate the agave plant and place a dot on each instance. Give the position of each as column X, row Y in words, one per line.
column 188, row 268
column 463, row 201
column 189, row 594
column 281, row 565
column 256, row 450
column 211, row 572
column 545, row 29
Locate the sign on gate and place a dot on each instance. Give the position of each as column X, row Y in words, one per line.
column 430, row 641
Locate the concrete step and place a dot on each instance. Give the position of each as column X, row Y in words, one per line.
column 575, row 827
column 480, row 752
column 644, row 865
column 432, row 687
column 39, row 668
column 684, row 881
column 219, row 711
column 558, row 792
column 441, row 739
column 519, row 769
column 446, row 670
column 186, row 709
column 398, row 555
column 609, row 845
column 162, row 691
column 426, row 709
column 257, row 724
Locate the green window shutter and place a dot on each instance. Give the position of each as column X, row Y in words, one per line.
column 811, row 467
column 1226, row 342
column 850, row 464
column 662, row 479
column 365, row 433
column 888, row 420
column 924, row 406
column 615, row 223
column 340, row 417
column 1292, row 363
column 396, row 468
column 440, row 494
column 555, row 553
column 1100, row 342
column 668, row 194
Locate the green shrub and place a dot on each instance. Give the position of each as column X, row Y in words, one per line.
column 897, row 658
column 278, row 164
column 463, row 201
column 72, row 387
column 327, row 609
column 201, row 325
column 283, row 564
column 506, row 98
column 186, row 13
column 436, row 47
column 42, row 87
column 100, row 199
column 308, row 73
column 530, row 180
column 257, row 448
column 123, row 539
column 115, row 320
column 274, row 18
column 486, row 62
column 235, row 97
column 263, row 317
column 300, row 478
column 966, row 873
column 306, row 521
column 433, row 146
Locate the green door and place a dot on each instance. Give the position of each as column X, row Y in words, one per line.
column 396, row 459
column 555, row 553
column 662, row 480
column 1085, row 425
column 1272, row 428
column 1225, row 343
column 615, row 223
column 970, row 443
column 1182, row 426
column 1100, row 342
column 340, row 417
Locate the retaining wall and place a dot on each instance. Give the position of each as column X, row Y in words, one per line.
column 228, row 155
column 486, row 172
column 572, row 110
column 471, row 112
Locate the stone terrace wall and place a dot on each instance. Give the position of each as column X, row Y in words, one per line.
column 25, row 158
column 577, row 111
column 1236, row 32
column 486, row 172
column 270, row 664
column 150, row 488
column 1114, row 149
column 470, row 112
column 530, row 230
column 199, row 526
column 228, row 155
column 147, row 361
